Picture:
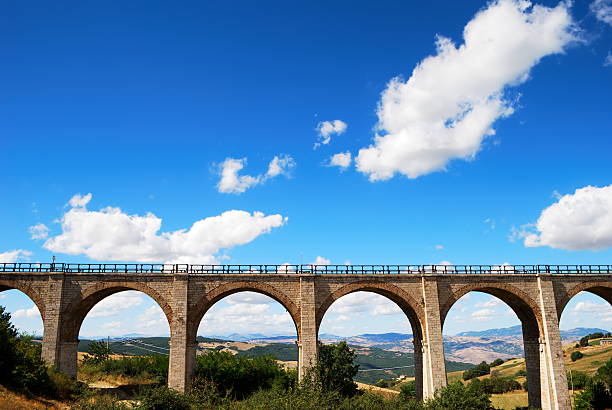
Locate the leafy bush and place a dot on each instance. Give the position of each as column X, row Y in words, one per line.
column 520, row 373
column 576, row 355
column 577, row 380
column 457, row 396
column 594, row 397
column 495, row 385
column 604, row 374
column 104, row 402
column 408, row 391
column 98, row 352
column 382, row 383
column 21, row 367
column 146, row 367
column 496, row 362
column 240, row 376
column 478, row 370
column 335, row 369
column 163, row 398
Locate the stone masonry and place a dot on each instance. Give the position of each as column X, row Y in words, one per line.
column 65, row 298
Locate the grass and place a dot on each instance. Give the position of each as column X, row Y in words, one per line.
column 510, row 400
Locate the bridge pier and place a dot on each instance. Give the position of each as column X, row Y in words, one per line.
column 182, row 342
column 554, row 391
column 418, row 366
column 531, row 347
column 56, row 350
column 307, row 333
column 434, row 366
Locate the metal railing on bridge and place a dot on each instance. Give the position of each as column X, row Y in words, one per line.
column 158, row 268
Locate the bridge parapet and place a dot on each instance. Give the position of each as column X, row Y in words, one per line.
column 158, row 268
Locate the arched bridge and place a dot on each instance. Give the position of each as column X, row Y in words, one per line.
column 65, row 293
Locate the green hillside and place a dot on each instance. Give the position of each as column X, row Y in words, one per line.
column 368, row 358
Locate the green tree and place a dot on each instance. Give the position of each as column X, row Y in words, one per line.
column 98, row 352
column 335, row 368
column 408, row 391
column 594, row 397
column 576, row 355
column 382, row 383
column 21, row 366
column 478, row 370
column 457, row 396
column 604, row 373
column 497, row 362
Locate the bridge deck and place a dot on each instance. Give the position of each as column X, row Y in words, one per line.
column 301, row 269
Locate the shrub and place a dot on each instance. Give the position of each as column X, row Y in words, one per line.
column 496, row 362
column 495, row 385
column 335, row 369
column 98, row 353
column 577, row 380
column 408, row 391
column 478, row 370
column 382, row 383
column 104, row 402
column 576, row 355
column 604, row 374
column 520, row 373
column 595, row 396
column 457, row 396
column 240, row 376
column 163, row 398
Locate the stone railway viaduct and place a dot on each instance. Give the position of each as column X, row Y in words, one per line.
column 65, row 293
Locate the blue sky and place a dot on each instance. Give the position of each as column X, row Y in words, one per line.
column 268, row 132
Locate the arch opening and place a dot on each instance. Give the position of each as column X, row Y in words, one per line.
column 248, row 323
column 26, row 313
column 585, row 324
column 383, row 333
column 492, row 325
column 130, row 322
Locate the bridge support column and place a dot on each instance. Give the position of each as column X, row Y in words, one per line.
column 418, row 367
column 434, row 367
column 554, row 391
column 532, row 368
column 59, row 353
column 182, row 343
column 307, row 343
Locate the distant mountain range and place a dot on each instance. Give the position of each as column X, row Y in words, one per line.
column 465, row 347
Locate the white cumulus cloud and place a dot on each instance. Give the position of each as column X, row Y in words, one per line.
column 39, row 231
column 232, row 182
column 578, row 221
column 327, row 129
column 483, row 315
column 602, row 10
column 449, row 104
column 31, row 312
column 341, row 159
column 112, row 235
column 14, row 255
column 115, row 304
column 79, row 201
column 320, row 260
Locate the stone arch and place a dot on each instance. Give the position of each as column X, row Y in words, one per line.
column 529, row 314
column 27, row 290
column 521, row 303
column 78, row 309
column 412, row 308
column 601, row 289
column 222, row 291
